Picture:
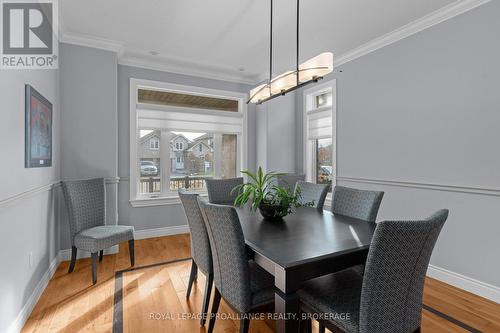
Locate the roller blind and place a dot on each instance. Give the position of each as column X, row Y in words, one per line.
column 193, row 120
column 319, row 123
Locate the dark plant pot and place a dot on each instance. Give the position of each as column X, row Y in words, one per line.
column 270, row 212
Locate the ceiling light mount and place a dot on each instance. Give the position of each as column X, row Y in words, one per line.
column 308, row 72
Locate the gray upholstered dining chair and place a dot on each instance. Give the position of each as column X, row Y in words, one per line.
column 311, row 192
column 289, row 180
column 86, row 204
column 360, row 204
column 244, row 285
column 220, row 191
column 388, row 297
column 200, row 248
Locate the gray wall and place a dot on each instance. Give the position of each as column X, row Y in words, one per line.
column 89, row 131
column 276, row 138
column 427, row 110
column 28, row 222
column 172, row 215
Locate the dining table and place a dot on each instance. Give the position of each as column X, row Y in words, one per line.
column 301, row 246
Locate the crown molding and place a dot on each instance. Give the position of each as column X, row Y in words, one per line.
column 427, row 21
column 180, row 66
column 165, row 64
column 91, row 41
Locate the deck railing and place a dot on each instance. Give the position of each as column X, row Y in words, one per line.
column 153, row 184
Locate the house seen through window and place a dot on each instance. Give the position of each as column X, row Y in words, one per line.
column 180, row 145
column 190, row 163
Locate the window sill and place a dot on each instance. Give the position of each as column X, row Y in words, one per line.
column 160, row 201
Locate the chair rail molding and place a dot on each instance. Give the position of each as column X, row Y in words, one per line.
column 422, row 185
column 30, row 192
column 46, row 188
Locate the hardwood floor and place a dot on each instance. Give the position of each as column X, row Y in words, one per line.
column 70, row 303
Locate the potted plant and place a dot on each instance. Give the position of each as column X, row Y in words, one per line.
column 274, row 202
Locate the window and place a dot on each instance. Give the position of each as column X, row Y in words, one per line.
column 182, row 133
column 324, row 163
column 320, row 133
column 154, row 144
column 323, row 99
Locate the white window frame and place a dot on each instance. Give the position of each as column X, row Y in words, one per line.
column 166, row 197
column 309, row 97
column 155, row 142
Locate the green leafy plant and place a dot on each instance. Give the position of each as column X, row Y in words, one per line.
column 263, row 193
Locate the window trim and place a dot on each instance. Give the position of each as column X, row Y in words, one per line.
column 309, row 160
column 156, row 144
column 137, row 200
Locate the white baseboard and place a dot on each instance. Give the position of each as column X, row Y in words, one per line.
column 25, row 312
column 466, row 283
column 160, row 232
column 65, row 255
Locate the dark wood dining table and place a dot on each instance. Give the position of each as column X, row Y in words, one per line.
column 306, row 244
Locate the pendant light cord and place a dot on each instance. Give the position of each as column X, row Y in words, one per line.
column 271, row 48
column 298, row 17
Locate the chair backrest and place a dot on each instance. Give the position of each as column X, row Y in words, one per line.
column 200, row 244
column 393, row 282
column 220, row 190
column 289, row 180
column 312, row 192
column 231, row 270
column 86, row 204
column 360, row 204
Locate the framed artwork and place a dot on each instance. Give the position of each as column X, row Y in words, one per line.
column 38, row 129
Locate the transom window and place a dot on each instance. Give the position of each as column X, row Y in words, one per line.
column 320, row 133
column 192, row 142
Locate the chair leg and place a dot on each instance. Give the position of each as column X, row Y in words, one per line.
column 244, row 325
column 73, row 259
column 192, row 275
column 101, row 253
column 94, row 267
column 215, row 309
column 206, row 297
column 321, row 328
column 131, row 251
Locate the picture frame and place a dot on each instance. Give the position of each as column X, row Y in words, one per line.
column 38, row 129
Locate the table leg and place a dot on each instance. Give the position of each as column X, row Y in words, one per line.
column 286, row 301
column 286, row 308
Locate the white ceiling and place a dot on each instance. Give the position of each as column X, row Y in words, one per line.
column 232, row 36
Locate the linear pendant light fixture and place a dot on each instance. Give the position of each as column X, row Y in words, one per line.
column 310, row 71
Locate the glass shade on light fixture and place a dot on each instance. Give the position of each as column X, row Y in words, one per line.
column 283, row 82
column 316, row 67
column 259, row 93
